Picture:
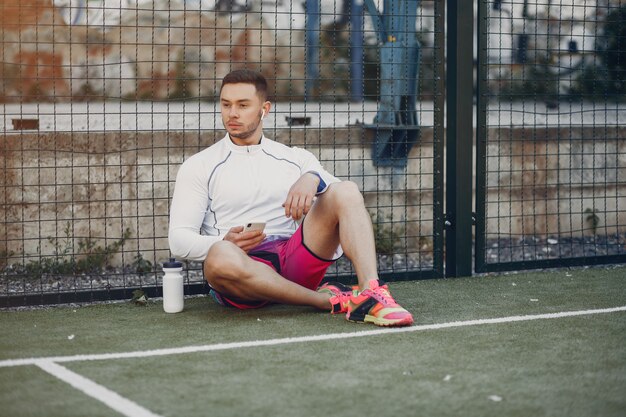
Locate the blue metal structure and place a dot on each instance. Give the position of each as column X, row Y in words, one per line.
column 312, row 42
column 396, row 124
column 356, row 50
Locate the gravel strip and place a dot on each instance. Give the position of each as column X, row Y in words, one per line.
column 502, row 250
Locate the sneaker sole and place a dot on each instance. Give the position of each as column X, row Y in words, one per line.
column 407, row 321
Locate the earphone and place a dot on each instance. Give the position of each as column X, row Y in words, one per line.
column 262, row 114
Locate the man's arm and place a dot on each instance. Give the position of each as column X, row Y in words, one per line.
column 189, row 206
column 314, row 180
column 301, row 194
column 310, row 164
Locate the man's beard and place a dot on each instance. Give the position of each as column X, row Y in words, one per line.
column 250, row 130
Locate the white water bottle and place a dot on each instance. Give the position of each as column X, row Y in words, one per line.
column 173, row 294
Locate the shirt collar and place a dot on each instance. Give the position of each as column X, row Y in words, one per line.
column 244, row 149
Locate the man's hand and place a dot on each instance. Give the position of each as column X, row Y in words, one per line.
column 245, row 240
column 301, row 195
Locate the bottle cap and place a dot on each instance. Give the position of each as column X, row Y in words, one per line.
column 172, row 263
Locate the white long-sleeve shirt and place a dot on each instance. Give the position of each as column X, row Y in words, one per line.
column 227, row 185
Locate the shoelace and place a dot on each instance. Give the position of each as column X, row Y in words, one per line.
column 342, row 297
column 382, row 295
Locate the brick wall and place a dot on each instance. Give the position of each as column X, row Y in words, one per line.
column 148, row 55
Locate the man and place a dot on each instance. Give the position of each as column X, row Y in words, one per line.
column 311, row 219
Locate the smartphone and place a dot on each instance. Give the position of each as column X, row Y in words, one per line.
column 254, row 226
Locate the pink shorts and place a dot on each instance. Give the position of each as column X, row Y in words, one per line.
column 291, row 259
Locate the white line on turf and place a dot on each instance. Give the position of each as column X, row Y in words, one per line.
column 112, row 399
column 322, row 337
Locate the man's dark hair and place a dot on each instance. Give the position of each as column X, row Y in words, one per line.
column 246, row 76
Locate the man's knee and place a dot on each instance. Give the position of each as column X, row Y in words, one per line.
column 223, row 262
column 345, row 193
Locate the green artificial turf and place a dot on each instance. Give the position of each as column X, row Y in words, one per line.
column 573, row 366
column 29, row 391
column 534, row 369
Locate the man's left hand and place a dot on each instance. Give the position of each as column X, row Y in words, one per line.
column 301, row 196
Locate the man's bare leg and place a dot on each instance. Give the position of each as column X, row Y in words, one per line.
column 232, row 272
column 339, row 216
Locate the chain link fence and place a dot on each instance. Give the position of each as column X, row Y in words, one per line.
column 551, row 148
column 102, row 100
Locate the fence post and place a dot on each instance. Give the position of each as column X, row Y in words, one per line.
column 459, row 137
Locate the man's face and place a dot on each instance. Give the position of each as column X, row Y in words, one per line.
column 241, row 109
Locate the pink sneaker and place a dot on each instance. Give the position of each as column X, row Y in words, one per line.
column 339, row 296
column 376, row 305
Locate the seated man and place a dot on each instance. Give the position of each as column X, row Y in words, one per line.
column 311, row 219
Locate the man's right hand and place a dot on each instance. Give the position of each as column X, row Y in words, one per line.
column 245, row 240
